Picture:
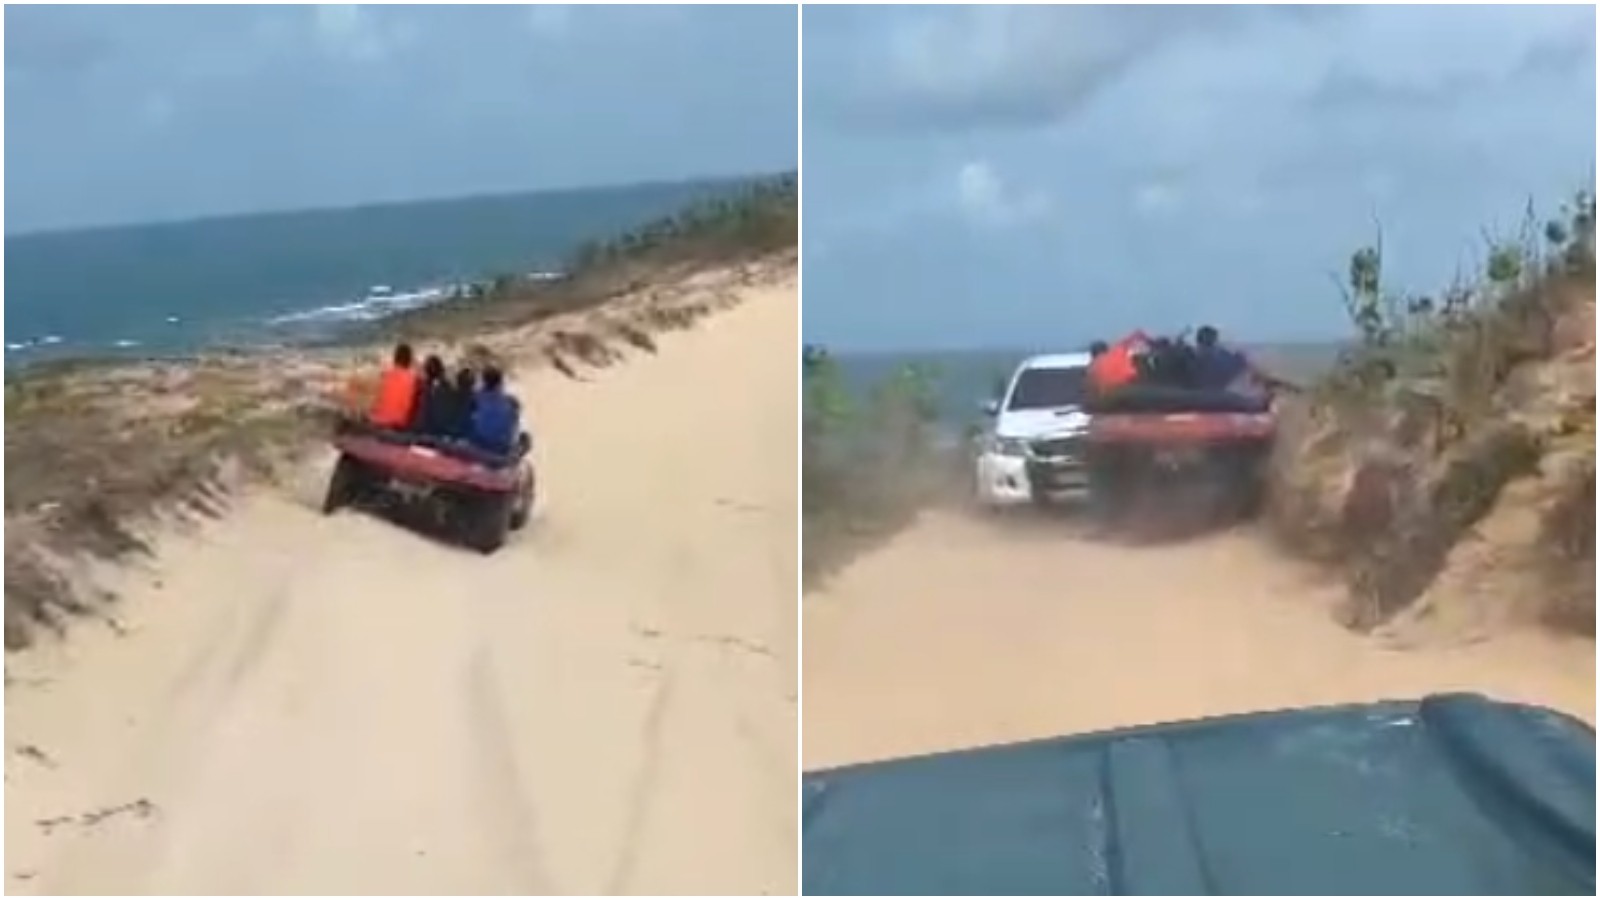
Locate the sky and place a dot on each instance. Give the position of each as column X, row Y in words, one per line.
column 1033, row 177
column 124, row 114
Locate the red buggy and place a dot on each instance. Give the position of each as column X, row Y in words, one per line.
column 477, row 497
column 1160, row 443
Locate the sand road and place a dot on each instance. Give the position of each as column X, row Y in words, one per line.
column 338, row 705
column 962, row 633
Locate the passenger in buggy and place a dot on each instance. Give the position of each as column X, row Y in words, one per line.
column 447, row 421
column 439, row 408
column 387, row 406
column 472, row 417
column 497, row 418
column 1168, row 362
column 1216, row 367
column 432, row 398
column 466, row 396
column 387, row 402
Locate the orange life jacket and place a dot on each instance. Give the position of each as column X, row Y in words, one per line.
column 1116, row 367
column 396, row 400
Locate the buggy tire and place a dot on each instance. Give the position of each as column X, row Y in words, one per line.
column 1249, row 475
column 342, row 485
column 1110, row 480
column 487, row 521
column 522, row 505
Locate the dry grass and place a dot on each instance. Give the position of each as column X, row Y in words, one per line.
column 850, row 511
column 92, row 452
column 868, row 464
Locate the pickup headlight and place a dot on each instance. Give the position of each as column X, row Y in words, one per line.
column 1003, row 446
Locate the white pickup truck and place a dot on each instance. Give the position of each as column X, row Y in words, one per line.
column 1031, row 451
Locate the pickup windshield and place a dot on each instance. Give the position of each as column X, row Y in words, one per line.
column 1048, row 388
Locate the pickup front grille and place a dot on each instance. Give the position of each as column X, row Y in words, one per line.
column 1058, row 448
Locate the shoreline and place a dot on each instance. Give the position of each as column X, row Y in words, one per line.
column 326, row 325
column 329, row 286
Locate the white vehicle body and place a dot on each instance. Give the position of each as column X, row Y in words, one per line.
column 1030, row 452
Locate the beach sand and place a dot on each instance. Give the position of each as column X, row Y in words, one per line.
column 962, row 633
column 300, row 704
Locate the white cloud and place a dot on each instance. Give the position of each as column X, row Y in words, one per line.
column 986, row 199
column 549, row 21
column 1011, row 62
column 957, row 67
column 1158, row 197
column 356, row 34
column 979, row 187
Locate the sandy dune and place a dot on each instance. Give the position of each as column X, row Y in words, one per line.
column 963, row 633
column 338, row 705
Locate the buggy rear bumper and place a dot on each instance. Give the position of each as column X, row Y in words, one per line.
column 417, row 458
column 1181, row 428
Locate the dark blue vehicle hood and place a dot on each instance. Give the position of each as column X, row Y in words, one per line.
column 1453, row 794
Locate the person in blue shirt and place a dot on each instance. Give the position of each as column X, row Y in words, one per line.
column 496, row 415
column 1216, row 367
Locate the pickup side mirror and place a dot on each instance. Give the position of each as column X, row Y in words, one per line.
column 991, row 407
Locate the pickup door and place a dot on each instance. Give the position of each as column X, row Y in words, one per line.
column 1454, row 794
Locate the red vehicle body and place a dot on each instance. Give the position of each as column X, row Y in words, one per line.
column 1162, row 444
column 424, row 463
column 1178, row 429
column 479, row 499
column 1197, row 467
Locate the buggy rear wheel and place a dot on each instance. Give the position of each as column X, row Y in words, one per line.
column 1246, row 476
column 1112, row 476
column 486, row 520
column 522, row 507
column 343, row 485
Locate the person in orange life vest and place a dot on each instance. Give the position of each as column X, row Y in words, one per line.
column 397, row 392
column 1115, row 367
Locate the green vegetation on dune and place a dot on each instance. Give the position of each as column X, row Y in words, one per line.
column 1468, row 411
column 762, row 218
column 746, row 225
column 1430, row 335
column 868, row 463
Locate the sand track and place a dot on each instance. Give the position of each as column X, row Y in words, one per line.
column 338, row 705
column 963, row 632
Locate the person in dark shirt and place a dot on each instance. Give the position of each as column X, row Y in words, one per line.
column 496, row 415
column 463, row 399
column 433, row 399
column 1215, row 367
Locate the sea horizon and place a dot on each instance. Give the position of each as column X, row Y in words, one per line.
column 213, row 217
column 176, row 287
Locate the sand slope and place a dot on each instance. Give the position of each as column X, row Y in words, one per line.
column 338, row 705
column 963, row 633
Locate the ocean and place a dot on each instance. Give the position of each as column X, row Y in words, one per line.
column 174, row 288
